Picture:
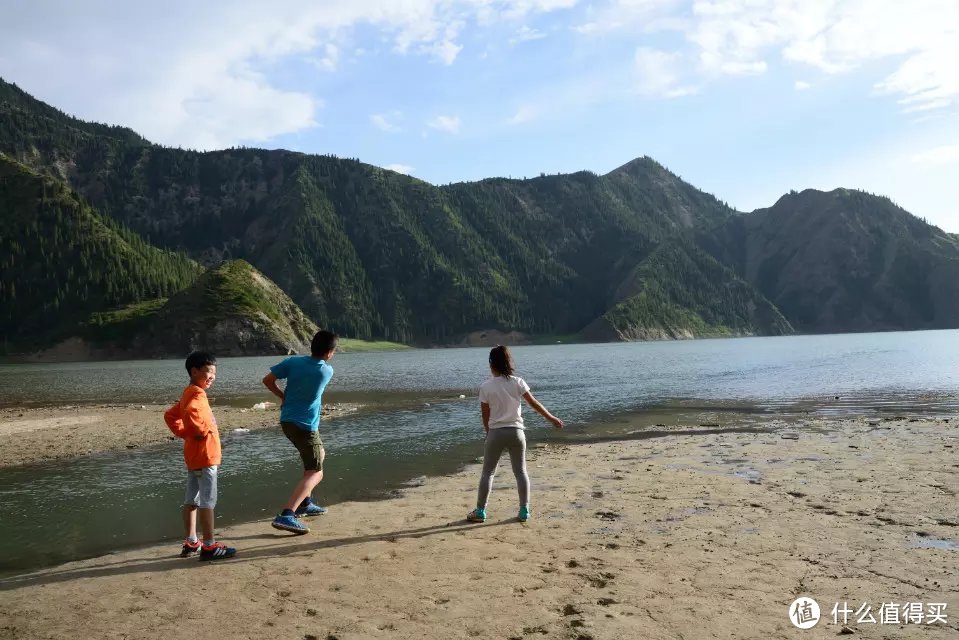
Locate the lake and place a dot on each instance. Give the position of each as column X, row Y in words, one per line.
column 415, row 424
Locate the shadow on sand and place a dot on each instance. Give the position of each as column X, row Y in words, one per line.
column 288, row 545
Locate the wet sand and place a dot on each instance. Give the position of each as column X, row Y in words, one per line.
column 696, row 535
column 29, row 435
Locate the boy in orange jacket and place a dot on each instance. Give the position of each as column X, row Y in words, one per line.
column 192, row 419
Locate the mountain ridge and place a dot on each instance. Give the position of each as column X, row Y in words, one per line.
column 374, row 253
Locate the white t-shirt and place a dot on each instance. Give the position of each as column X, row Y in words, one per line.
column 503, row 395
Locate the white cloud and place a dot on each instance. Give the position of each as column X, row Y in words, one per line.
column 938, row 156
column 526, row 113
column 630, row 14
column 329, row 60
column 195, row 74
column 919, row 38
column 801, row 85
column 387, row 121
column 401, row 168
column 449, row 124
column 837, row 36
column 518, row 9
column 658, row 74
column 526, row 34
column 445, row 51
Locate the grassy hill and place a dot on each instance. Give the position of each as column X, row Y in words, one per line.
column 681, row 292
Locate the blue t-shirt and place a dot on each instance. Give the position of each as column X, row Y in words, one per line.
column 306, row 377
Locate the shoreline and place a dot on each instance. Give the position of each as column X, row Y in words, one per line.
column 30, row 435
column 661, row 538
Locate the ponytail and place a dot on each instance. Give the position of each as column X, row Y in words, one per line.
column 501, row 360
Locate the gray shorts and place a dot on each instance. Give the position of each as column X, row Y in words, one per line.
column 201, row 488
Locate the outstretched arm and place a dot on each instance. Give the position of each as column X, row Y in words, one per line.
column 269, row 380
column 541, row 410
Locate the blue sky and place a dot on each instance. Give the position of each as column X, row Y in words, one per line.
column 746, row 99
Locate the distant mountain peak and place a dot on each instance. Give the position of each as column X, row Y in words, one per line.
column 642, row 164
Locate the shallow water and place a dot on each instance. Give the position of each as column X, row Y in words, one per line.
column 64, row 510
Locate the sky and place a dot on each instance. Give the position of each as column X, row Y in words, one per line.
column 745, row 99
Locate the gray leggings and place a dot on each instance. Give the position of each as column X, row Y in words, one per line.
column 498, row 440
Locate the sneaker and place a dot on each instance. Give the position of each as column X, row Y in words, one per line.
column 310, row 509
column 289, row 523
column 189, row 548
column 523, row 514
column 217, row 551
column 476, row 515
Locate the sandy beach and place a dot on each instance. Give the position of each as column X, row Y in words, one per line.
column 688, row 535
column 30, row 435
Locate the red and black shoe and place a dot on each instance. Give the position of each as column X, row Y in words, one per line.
column 189, row 548
column 217, row 551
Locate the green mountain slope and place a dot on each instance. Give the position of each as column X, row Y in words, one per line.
column 844, row 261
column 681, row 292
column 232, row 310
column 60, row 259
column 372, row 253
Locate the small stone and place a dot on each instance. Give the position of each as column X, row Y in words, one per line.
column 845, row 631
column 311, row 612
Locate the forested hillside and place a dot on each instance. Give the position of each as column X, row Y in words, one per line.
column 636, row 253
column 61, row 259
column 845, row 261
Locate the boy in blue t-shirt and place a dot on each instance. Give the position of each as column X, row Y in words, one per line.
column 306, row 378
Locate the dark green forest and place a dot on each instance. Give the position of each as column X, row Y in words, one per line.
column 62, row 260
column 376, row 254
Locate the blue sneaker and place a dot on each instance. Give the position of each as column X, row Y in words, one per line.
column 289, row 523
column 310, row 509
column 523, row 513
column 476, row 515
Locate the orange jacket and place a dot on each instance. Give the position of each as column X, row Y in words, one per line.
column 192, row 419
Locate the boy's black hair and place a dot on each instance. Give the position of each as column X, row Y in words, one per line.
column 323, row 342
column 198, row 360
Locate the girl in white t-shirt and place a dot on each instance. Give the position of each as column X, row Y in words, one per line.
column 503, row 423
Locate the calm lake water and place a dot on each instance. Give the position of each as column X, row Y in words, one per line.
column 416, row 425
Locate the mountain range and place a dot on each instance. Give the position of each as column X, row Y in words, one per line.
column 96, row 219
